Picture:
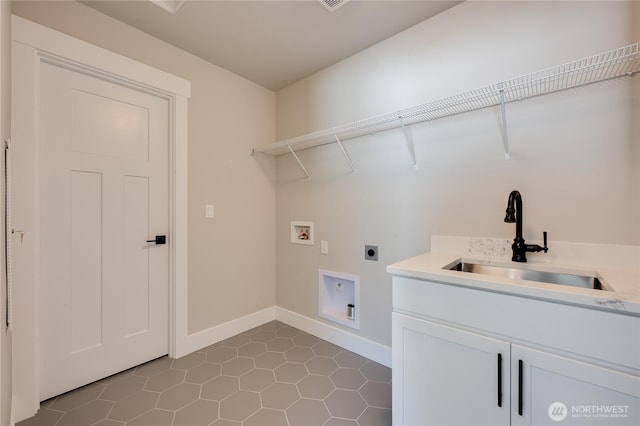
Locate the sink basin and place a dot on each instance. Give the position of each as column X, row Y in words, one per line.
column 584, row 280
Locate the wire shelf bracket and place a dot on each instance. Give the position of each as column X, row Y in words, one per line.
column 613, row 64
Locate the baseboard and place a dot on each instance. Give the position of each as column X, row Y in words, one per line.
column 352, row 342
column 204, row 338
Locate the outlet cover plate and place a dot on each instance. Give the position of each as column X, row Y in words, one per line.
column 371, row 252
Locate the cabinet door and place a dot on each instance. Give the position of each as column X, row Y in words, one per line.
column 550, row 390
column 445, row 376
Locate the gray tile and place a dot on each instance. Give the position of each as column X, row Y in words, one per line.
column 178, row 396
column 263, row 336
column 279, row 396
column 345, row 404
column 321, row 365
column 189, row 361
column 270, row 360
column 256, row 380
column 291, row 372
column 120, row 389
column 307, row 412
column 203, row 373
column 375, row 417
column 288, row 332
column 376, row 394
column 299, row 354
column 252, row 349
column 342, row 422
column 88, row 414
column 272, row 325
column 154, row 417
column 153, row 367
column 133, row 406
column 198, row 413
column 220, row 388
column 376, row 372
column 305, row 339
column 44, row 417
column 78, row 397
column 279, row 345
column 237, row 366
column 266, row 417
column 236, row 341
column 324, row 348
column 221, row 355
column 317, row 387
column 107, row 422
column 347, row 378
column 165, row 380
column 240, row 405
column 350, row 360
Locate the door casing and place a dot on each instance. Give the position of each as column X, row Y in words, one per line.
column 31, row 45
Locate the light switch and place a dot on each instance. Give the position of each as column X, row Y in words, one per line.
column 324, row 247
column 209, row 211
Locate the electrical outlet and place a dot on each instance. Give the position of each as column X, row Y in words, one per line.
column 371, row 253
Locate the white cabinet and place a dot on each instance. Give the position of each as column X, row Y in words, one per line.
column 444, row 376
column 459, row 363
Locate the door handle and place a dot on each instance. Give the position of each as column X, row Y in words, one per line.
column 159, row 240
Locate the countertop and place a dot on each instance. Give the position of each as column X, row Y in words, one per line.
column 619, row 266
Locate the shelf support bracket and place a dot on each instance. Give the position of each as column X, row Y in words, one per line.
column 345, row 153
column 298, row 160
column 409, row 140
column 505, row 135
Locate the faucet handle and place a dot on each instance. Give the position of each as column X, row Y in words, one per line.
column 544, row 238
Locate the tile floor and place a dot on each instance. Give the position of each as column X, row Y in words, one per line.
column 271, row 375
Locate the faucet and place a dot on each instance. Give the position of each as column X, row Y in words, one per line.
column 514, row 214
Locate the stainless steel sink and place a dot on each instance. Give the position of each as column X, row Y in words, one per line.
column 584, row 280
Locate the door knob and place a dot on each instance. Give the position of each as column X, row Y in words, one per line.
column 160, row 239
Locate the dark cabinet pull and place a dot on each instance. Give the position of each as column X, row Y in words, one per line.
column 520, row 372
column 499, row 380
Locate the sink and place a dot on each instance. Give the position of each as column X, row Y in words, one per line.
column 581, row 279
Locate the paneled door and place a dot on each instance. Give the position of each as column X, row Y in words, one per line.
column 104, row 197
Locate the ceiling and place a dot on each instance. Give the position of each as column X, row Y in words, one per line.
column 273, row 43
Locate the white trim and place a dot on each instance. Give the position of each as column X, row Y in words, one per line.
column 49, row 45
column 354, row 343
column 215, row 334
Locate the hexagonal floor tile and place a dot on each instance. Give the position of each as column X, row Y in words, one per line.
column 376, row 394
column 203, row 373
column 252, row 349
column 221, row 355
column 348, row 359
column 236, row 341
column 321, row 365
column 165, row 380
column 189, row 361
column 178, row 396
column 266, row 417
column 240, row 405
column 263, row 336
column 376, row 372
column 347, row 378
column 306, row 340
column 237, row 366
column 220, row 388
column 299, row 354
column 279, row 396
column 324, row 348
column 270, row 360
column 345, row 404
column 200, row 412
column 288, row 332
column 317, row 387
column 307, row 412
column 87, row 414
column 154, row 417
column 122, row 388
column 291, row 372
column 257, row 379
column 373, row 416
column 133, row 406
column 279, row 345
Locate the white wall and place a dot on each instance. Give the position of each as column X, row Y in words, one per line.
column 227, row 116
column 575, row 154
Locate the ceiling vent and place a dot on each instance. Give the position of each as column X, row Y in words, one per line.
column 171, row 6
column 332, row 5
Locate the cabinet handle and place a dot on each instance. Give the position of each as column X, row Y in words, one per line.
column 520, row 373
column 499, row 380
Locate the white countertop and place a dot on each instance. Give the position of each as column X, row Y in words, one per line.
column 618, row 265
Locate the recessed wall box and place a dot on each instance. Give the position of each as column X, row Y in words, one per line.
column 339, row 297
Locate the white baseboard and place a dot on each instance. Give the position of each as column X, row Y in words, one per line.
column 204, row 338
column 352, row 342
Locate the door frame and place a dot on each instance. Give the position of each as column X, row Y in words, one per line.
column 32, row 45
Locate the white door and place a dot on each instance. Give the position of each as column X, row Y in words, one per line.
column 446, row 376
column 104, row 188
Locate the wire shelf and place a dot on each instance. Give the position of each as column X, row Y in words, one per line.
column 621, row 62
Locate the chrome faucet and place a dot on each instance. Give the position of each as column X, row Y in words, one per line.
column 514, row 214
